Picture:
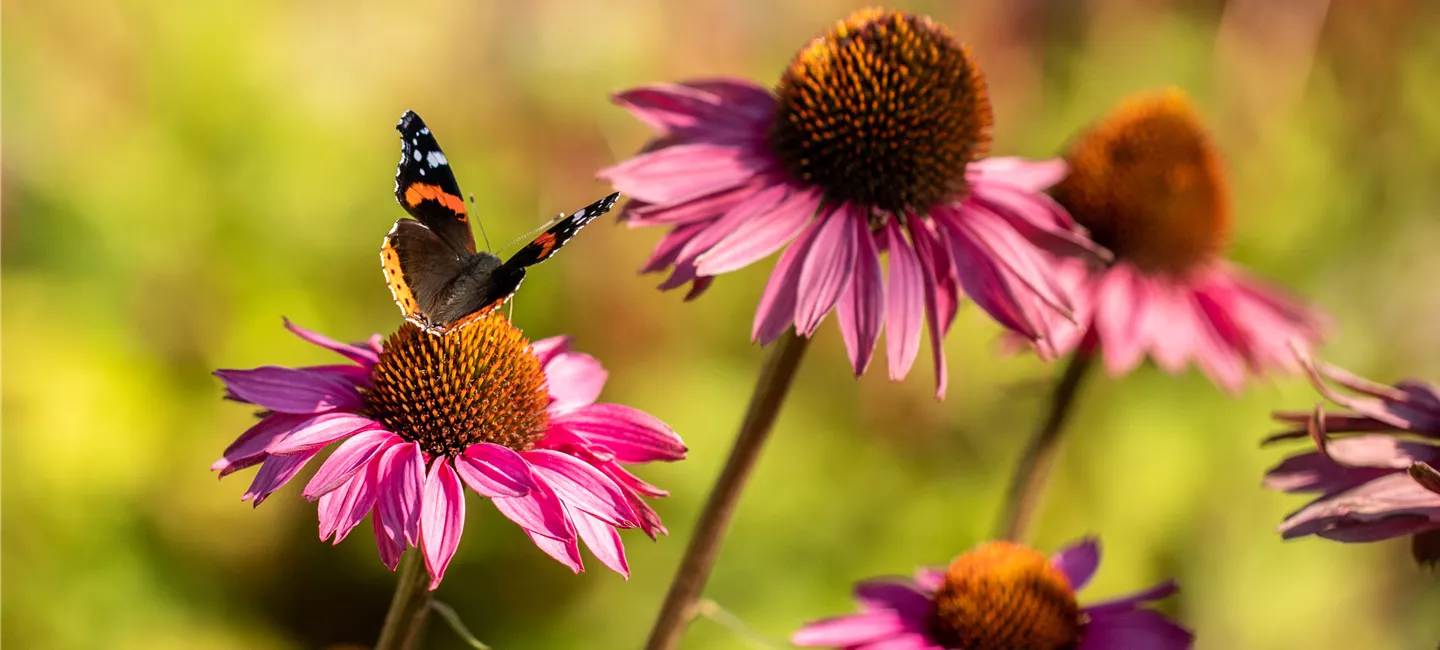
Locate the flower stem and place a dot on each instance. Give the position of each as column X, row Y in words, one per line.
column 1028, row 483
column 409, row 609
column 689, row 581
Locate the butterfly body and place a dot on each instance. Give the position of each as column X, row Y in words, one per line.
column 438, row 279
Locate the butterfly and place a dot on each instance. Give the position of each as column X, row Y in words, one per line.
column 436, row 276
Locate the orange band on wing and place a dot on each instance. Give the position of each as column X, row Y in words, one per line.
column 546, row 242
column 421, row 191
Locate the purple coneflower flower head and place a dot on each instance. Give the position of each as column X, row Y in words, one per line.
column 1151, row 187
column 872, row 143
column 999, row 596
column 1373, row 467
column 420, row 417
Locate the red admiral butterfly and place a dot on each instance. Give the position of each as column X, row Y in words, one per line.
column 435, row 275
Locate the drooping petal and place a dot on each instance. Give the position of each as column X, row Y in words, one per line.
column 861, row 309
column 690, row 216
column 778, row 302
column 912, row 605
column 756, row 239
column 581, row 486
column 343, row 508
column 1078, row 562
column 389, row 546
column 321, row 430
column 851, row 630
column 249, row 448
column 905, row 303
column 632, row 435
column 602, row 540
column 756, row 207
column 442, row 519
column 361, row 355
column 825, row 272
column 564, row 551
column 401, row 482
column 687, row 112
column 680, row 173
column 288, row 390
column 1139, row 629
column 1389, row 506
column 906, row 641
column 494, row 471
column 1132, row 601
column 349, row 458
column 574, row 380
column 546, row 349
column 1122, row 305
column 274, row 473
column 927, row 250
column 1020, row 173
column 540, row 512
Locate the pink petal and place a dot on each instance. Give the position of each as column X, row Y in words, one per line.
column 249, row 448
column 288, row 390
column 1125, row 603
column 354, row 374
column 349, row 458
column 581, row 486
column 321, row 430
column 740, row 95
column 1122, row 302
column 912, row 605
column 274, row 473
column 390, row 548
column 927, row 250
column 1139, row 629
column 1393, row 497
column 401, row 481
column 851, row 630
column 1025, row 263
column 1078, row 562
column 540, row 512
column 905, row 303
column 705, row 209
column 684, row 172
column 494, row 471
column 602, row 540
column 1315, row 472
column 1170, row 328
column 778, row 302
column 574, row 380
column 755, row 207
column 361, row 355
column 442, row 519
column 341, row 509
column 547, row 349
column 756, row 239
column 1020, row 173
column 632, row 435
column 693, row 113
column 861, row 309
column 826, row 270
column 566, row 551
column 929, row 580
column 907, row 641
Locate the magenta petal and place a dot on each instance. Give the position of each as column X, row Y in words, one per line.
column 683, row 172
column 581, row 486
column 695, row 113
column 342, row 509
column 927, row 251
column 1132, row 601
column 929, row 580
column 1122, row 302
column 778, row 302
column 442, row 519
column 906, row 641
column 348, row 459
column 1139, row 629
column 494, row 471
column 546, row 349
column 602, row 540
column 1020, row 173
column 825, row 272
column 565, row 551
column 274, row 473
column 401, row 480
column 540, row 512
column 743, row 96
column 905, row 303
column 321, row 430
column 632, row 435
column 861, row 309
column 756, row 207
column 757, row 238
column 361, row 355
column 1395, row 498
column 903, row 599
column 851, row 630
column 249, row 448
column 390, row 548
column 690, row 216
column 1078, row 562
column 574, row 380
column 288, row 390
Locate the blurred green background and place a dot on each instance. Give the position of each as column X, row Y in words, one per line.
column 178, row 176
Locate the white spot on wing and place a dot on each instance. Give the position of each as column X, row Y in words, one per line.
column 435, row 158
column 425, row 131
column 417, row 155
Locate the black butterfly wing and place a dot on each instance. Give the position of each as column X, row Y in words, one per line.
column 426, row 188
column 551, row 240
column 420, row 269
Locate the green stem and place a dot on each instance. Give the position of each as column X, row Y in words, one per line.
column 689, row 581
column 1027, row 486
column 410, row 608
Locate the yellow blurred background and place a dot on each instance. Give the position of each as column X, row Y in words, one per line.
column 178, row 176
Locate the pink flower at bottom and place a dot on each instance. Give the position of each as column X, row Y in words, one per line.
column 421, row 417
column 992, row 596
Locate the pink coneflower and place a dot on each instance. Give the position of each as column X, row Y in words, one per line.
column 421, row 416
column 999, row 596
column 1377, row 480
column 1151, row 187
column 873, row 142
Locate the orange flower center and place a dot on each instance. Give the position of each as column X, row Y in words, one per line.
column 1150, row 185
column 884, row 110
column 480, row 383
column 1003, row 596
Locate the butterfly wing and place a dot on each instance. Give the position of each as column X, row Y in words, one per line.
column 426, row 188
column 419, row 269
column 551, row 240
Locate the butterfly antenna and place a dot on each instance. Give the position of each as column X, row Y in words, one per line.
column 478, row 221
column 530, row 235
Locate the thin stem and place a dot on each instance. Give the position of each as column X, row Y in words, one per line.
column 410, row 608
column 1027, row 486
column 689, row 581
